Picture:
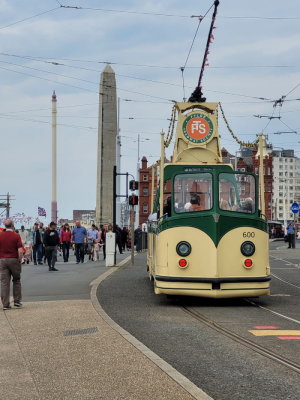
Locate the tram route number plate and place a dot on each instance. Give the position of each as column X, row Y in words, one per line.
column 248, row 234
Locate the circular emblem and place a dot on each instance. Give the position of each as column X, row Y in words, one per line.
column 197, row 128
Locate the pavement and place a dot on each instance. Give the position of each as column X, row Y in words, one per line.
column 70, row 349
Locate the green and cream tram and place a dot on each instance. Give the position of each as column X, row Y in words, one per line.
column 206, row 234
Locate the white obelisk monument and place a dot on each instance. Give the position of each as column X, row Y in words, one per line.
column 54, row 161
column 107, row 135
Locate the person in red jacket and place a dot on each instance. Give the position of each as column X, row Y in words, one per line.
column 11, row 253
column 65, row 240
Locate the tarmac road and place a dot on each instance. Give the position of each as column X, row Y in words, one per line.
column 222, row 367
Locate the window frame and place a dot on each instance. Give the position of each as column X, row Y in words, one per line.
column 195, row 174
column 238, row 192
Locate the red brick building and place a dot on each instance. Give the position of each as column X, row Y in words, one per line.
column 145, row 184
column 268, row 180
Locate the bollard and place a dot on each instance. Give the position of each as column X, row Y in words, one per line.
column 110, row 242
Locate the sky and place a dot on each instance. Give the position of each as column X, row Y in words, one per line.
column 64, row 45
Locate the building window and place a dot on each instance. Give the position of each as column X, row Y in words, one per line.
column 145, row 208
column 145, row 191
column 280, row 173
column 280, row 194
column 145, row 177
column 291, row 159
column 280, row 208
column 280, row 201
column 281, row 166
column 280, row 215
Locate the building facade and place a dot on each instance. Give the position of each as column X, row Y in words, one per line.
column 145, row 185
column 286, row 184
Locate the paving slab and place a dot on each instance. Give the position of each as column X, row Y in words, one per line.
column 66, row 350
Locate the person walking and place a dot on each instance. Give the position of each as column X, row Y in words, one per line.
column 124, row 238
column 79, row 235
column 51, row 241
column 118, row 232
column 37, row 244
column 11, row 253
column 65, row 240
column 92, row 237
column 25, row 241
column 103, row 239
column 291, row 235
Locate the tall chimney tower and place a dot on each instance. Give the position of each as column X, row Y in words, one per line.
column 107, row 136
column 54, row 161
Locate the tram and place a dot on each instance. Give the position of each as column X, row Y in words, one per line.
column 206, row 234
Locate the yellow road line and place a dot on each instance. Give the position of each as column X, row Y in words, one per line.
column 274, row 332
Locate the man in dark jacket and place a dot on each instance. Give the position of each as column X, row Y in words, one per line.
column 51, row 241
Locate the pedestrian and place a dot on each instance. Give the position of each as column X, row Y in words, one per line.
column 124, row 237
column 118, row 232
column 97, row 248
column 79, row 235
column 92, row 237
column 37, row 244
column 25, row 241
column 291, row 235
column 51, row 241
column 137, row 238
column 11, row 253
column 65, row 240
column 24, row 235
column 103, row 239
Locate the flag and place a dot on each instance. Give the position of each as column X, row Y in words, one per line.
column 41, row 212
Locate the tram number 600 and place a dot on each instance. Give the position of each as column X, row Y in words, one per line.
column 248, row 234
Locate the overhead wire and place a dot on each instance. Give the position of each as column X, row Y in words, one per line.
column 154, row 14
column 33, row 16
column 173, row 15
column 136, row 78
column 44, row 122
column 44, row 59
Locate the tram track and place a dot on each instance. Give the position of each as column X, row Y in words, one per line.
column 240, row 339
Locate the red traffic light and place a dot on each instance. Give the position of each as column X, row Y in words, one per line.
column 133, row 200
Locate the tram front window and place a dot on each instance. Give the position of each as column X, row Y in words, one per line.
column 237, row 193
column 192, row 192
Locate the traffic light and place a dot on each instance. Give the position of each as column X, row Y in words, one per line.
column 133, row 185
column 133, row 200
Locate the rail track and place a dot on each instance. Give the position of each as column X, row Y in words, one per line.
column 240, row 339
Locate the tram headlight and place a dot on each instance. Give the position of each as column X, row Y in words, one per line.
column 183, row 249
column 247, row 249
